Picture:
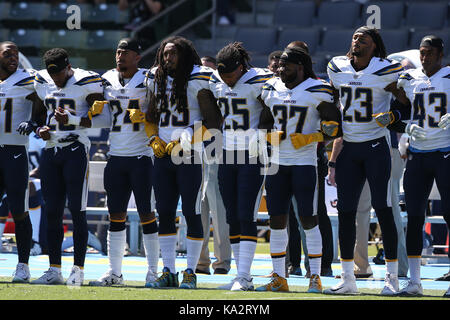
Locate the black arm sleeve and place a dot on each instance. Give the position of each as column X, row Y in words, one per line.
column 329, row 112
column 400, row 112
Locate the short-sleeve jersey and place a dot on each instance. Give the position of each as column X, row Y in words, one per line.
column 295, row 111
column 14, row 107
column 171, row 121
column 362, row 94
column 72, row 98
column 430, row 97
column 239, row 105
column 125, row 138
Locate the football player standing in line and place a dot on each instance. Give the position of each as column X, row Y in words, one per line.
column 237, row 87
column 364, row 79
column 179, row 99
column 428, row 89
column 129, row 165
column 67, row 94
column 16, row 96
column 301, row 105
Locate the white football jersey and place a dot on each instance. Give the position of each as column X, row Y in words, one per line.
column 171, row 121
column 72, row 98
column 125, row 138
column 239, row 105
column 14, row 107
column 295, row 111
column 429, row 100
column 362, row 94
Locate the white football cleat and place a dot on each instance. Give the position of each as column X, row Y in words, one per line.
column 242, row 284
column 412, row 289
column 22, row 273
column 51, row 276
column 390, row 285
column 151, row 277
column 227, row 286
column 107, row 279
column 76, row 277
column 346, row 286
column 447, row 293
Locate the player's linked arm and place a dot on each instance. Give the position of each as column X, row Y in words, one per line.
column 402, row 105
column 37, row 121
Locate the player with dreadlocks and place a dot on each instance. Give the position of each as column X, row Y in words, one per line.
column 179, row 98
column 364, row 80
column 237, row 87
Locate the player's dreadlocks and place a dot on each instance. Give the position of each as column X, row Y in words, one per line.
column 234, row 51
column 187, row 58
column 380, row 50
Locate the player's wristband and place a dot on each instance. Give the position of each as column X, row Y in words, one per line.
column 331, row 164
column 37, row 131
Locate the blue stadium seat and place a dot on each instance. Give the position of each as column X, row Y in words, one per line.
column 26, row 15
column 426, row 15
column 26, row 38
column 391, row 13
column 259, row 61
column 64, row 38
column 108, row 16
column 257, row 40
column 58, row 15
column 4, row 10
column 4, row 34
column 104, row 39
column 311, row 36
column 300, row 14
column 336, row 42
column 338, row 14
column 394, row 40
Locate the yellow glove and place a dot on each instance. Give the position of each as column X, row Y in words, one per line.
column 275, row 137
column 384, row 119
column 96, row 108
column 170, row 146
column 158, row 146
column 300, row 140
column 136, row 116
column 330, row 128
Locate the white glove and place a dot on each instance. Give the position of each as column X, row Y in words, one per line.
column 416, row 132
column 186, row 141
column 403, row 145
column 74, row 120
column 445, row 121
column 253, row 145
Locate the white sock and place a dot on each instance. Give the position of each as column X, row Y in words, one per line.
column 193, row 250
column 2, row 228
column 168, row 251
column 314, row 246
column 35, row 217
column 116, row 242
column 278, row 242
column 246, row 255
column 151, row 247
column 347, row 267
column 235, row 250
column 414, row 269
column 392, row 267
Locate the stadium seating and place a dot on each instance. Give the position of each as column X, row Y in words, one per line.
column 104, row 39
column 336, row 41
column 28, row 40
column 257, row 40
column 27, row 15
column 338, row 14
column 299, row 14
column 309, row 35
column 395, row 40
column 63, row 38
column 426, row 15
column 391, row 13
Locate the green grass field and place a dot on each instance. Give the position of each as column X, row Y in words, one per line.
column 134, row 290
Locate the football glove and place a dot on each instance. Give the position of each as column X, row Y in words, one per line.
column 416, row 132
column 72, row 119
column 151, row 129
column 253, row 145
column 96, row 108
column 169, row 147
column 274, row 137
column 201, row 134
column 136, row 115
column 445, row 121
column 158, row 146
column 300, row 140
column 384, row 119
column 330, row 128
column 26, row 127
